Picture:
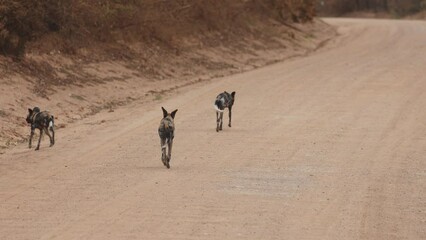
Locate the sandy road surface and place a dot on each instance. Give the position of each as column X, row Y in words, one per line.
column 331, row 146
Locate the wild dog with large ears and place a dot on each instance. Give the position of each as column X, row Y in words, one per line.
column 43, row 121
column 166, row 131
column 223, row 100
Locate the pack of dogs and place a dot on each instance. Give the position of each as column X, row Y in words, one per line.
column 44, row 122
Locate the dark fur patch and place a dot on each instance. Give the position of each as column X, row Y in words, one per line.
column 225, row 100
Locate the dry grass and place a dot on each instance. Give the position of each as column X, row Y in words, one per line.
column 68, row 25
column 393, row 8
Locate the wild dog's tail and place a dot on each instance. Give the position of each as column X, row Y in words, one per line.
column 167, row 136
column 216, row 106
column 51, row 122
column 168, row 140
column 165, row 143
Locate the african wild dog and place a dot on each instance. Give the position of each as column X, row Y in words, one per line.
column 43, row 121
column 166, row 131
column 223, row 100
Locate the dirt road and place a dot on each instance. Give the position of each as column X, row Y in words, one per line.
column 330, row 146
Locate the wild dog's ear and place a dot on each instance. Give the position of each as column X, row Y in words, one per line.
column 173, row 114
column 233, row 94
column 30, row 110
column 164, row 112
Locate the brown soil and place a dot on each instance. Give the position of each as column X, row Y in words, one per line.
column 384, row 15
column 328, row 146
column 368, row 14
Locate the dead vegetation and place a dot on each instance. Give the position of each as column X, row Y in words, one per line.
column 142, row 33
column 70, row 25
column 146, row 35
column 390, row 8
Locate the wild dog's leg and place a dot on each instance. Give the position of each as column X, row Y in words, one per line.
column 39, row 139
column 50, row 137
column 169, row 156
column 221, row 120
column 31, row 137
column 53, row 136
column 163, row 151
column 51, row 128
column 217, row 121
column 230, row 116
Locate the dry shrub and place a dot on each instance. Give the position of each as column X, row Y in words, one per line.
column 79, row 23
column 398, row 8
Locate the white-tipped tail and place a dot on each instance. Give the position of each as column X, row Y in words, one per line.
column 217, row 108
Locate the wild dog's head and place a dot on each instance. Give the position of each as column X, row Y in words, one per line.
column 230, row 97
column 168, row 118
column 31, row 113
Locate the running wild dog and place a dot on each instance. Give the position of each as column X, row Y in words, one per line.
column 223, row 100
column 43, row 121
column 166, row 131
